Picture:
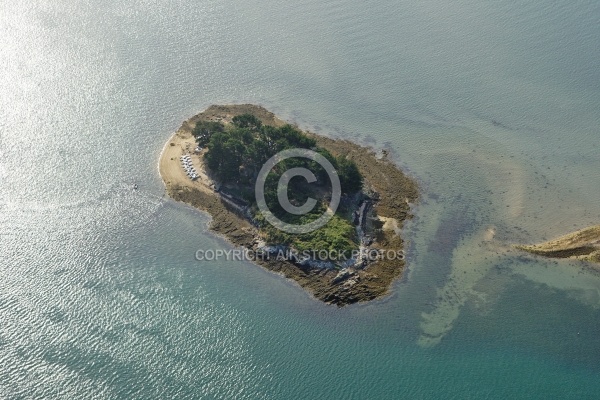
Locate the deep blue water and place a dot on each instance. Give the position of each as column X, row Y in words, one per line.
column 492, row 107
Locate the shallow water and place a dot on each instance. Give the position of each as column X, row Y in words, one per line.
column 492, row 107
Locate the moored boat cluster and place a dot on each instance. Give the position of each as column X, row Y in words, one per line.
column 186, row 163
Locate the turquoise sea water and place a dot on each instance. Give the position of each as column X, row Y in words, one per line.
column 493, row 107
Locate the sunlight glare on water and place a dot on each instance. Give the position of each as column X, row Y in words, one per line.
column 491, row 107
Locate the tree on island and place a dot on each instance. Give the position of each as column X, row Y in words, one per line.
column 204, row 130
column 247, row 121
column 350, row 177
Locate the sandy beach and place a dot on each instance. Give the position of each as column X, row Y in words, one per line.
column 182, row 143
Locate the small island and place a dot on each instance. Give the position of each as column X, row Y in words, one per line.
column 213, row 161
column 582, row 245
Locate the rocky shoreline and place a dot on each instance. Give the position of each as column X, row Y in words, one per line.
column 379, row 216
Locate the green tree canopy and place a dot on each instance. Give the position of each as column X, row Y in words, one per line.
column 350, row 177
column 248, row 121
column 204, row 130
